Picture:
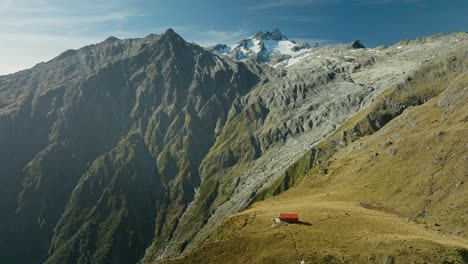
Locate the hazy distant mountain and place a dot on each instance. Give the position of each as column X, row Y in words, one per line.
column 138, row 149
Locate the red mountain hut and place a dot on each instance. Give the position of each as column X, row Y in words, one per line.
column 289, row 217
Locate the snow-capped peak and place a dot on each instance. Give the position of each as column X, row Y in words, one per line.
column 266, row 47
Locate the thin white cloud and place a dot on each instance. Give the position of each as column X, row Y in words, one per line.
column 212, row 37
column 71, row 20
column 33, row 31
column 270, row 4
column 22, row 51
column 298, row 19
column 35, row 13
column 41, row 40
column 10, row 8
column 386, row 2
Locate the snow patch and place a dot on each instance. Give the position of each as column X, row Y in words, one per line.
column 293, row 61
column 256, row 48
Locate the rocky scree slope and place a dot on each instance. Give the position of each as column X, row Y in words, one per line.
column 139, row 148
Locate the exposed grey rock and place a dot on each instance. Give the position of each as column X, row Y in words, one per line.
column 357, row 44
column 220, row 49
column 388, row 260
column 387, row 143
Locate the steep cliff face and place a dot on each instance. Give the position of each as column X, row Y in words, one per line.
column 137, row 149
column 101, row 146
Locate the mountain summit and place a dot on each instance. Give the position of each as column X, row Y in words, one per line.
column 273, row 35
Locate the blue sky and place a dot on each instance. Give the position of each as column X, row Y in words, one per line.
column 32, row 31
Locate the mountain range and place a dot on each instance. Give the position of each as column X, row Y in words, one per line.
column 158, row 150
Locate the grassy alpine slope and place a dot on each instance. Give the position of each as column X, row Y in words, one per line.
column 397, row 195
